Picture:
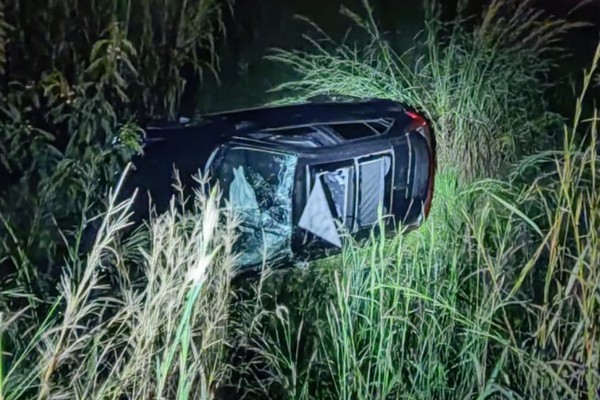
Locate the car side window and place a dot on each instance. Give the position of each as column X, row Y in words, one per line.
column 362, row 129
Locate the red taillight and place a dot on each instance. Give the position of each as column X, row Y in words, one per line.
column 416, row 117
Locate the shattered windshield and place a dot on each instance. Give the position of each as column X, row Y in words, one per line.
column 259, row 183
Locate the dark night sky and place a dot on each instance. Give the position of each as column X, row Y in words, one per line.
column 259, row 25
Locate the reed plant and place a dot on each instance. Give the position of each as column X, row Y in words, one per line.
column 143, row 317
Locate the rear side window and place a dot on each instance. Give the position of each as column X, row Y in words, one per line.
column 360, row 130
column 374, row 174
column 339, row 185
column 420, row 154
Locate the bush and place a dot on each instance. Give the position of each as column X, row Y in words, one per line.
column 77, row 78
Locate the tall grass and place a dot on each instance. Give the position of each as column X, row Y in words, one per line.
column 502, row 302
column 496, row 296
column 114, row 333
column 480, row 80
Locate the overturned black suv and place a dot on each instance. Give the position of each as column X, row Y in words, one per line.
column 300, row 176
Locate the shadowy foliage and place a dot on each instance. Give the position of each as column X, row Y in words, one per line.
column 77, row 77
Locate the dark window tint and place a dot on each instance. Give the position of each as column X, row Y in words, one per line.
column 374, row 176
column 420, row 153
column 354, row 131
column 359, row 130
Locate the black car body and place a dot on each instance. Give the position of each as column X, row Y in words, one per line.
column 300, row 176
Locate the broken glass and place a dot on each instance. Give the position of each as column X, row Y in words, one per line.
column 259, row 186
